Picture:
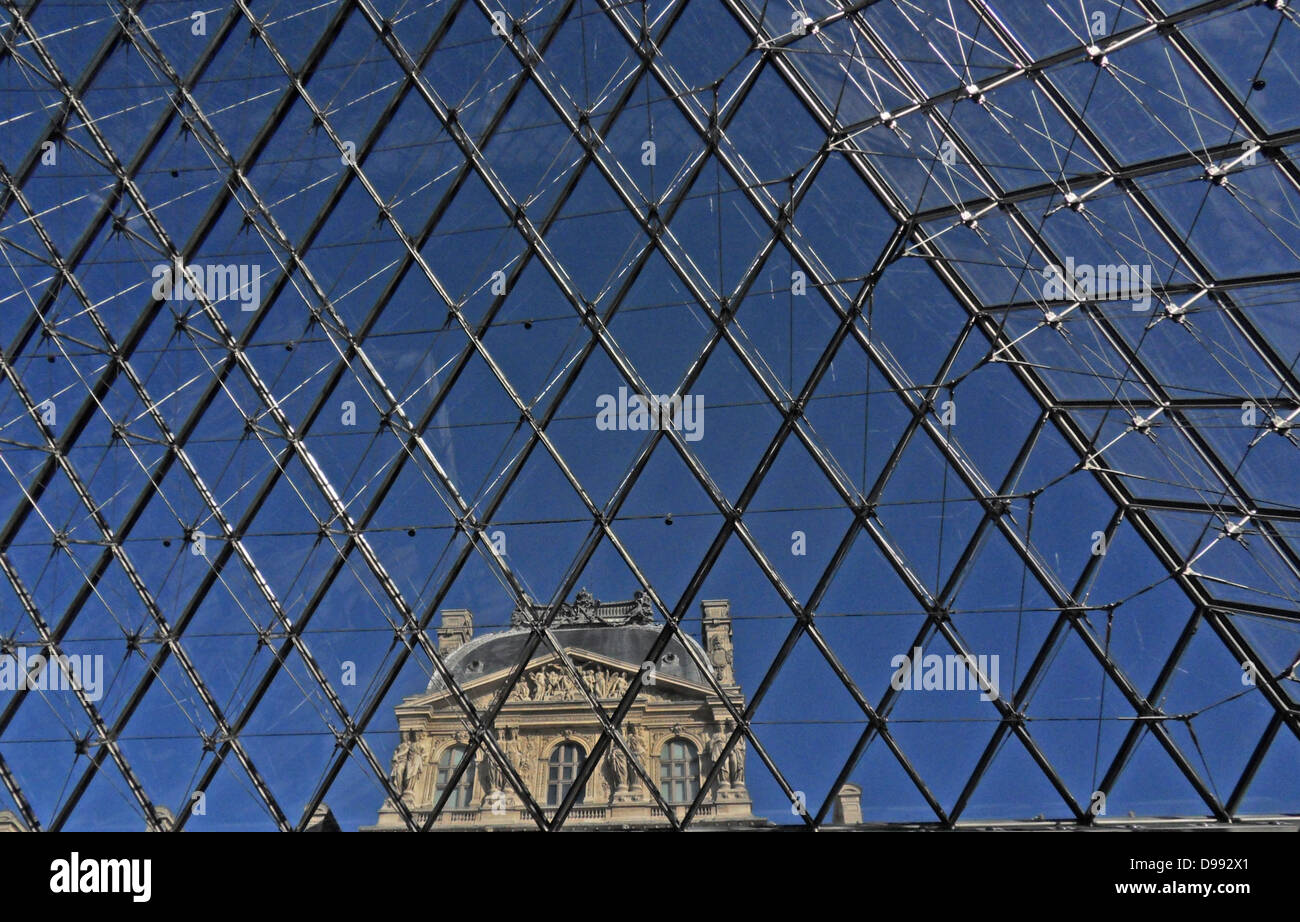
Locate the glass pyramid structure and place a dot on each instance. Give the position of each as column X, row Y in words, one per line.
column 989, row 309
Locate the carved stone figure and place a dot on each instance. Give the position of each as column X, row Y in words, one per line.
column 642, row 610
column 636, row 746
column 517, row 752
column 616, row 765
column 718, row 742
column 493, row 777
column 414, row 763
column 718, row 654
column 586, row 609
column 584, row 605
column 554, row 683
column 736, row 764
column 400, row 756
column 408, row 762
column 522, row 614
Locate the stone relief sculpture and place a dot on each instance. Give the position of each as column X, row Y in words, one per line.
column 612, row 684
column 720, row 656
column 554, row 683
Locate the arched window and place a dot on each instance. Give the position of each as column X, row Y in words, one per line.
column 566, row 759
column 462, row 796
column 679, row 771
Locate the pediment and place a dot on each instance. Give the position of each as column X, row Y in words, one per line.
column 547, row 680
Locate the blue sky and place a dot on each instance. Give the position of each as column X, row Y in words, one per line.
column 992, row 433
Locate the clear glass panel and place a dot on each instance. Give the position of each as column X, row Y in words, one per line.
column 749, row 370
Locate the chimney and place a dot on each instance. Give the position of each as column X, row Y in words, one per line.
column 166, row 820
column 456, row 629
column 323, row 820
column 848, row 805
column 717, row 639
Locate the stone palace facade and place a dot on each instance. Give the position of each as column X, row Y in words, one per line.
column 677, row 727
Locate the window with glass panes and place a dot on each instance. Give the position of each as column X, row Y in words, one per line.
column 563, row 766
column 464, row 792
column 679, row 771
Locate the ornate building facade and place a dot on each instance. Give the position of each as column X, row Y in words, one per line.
column 676, row 729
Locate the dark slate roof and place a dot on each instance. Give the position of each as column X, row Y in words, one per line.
column 627, row 643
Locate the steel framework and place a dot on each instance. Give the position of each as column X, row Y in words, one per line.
column 415, row 174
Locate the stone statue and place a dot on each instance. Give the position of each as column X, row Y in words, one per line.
column 586, row 609
column 493, row 777
column 408, row 762
column 396, row 776
column 522, row 614
column 584, row 605
column 736, row 763
column 516, row 752
column 718, row 742
column 642, row 610
column 616, row 762
column 636, row 747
